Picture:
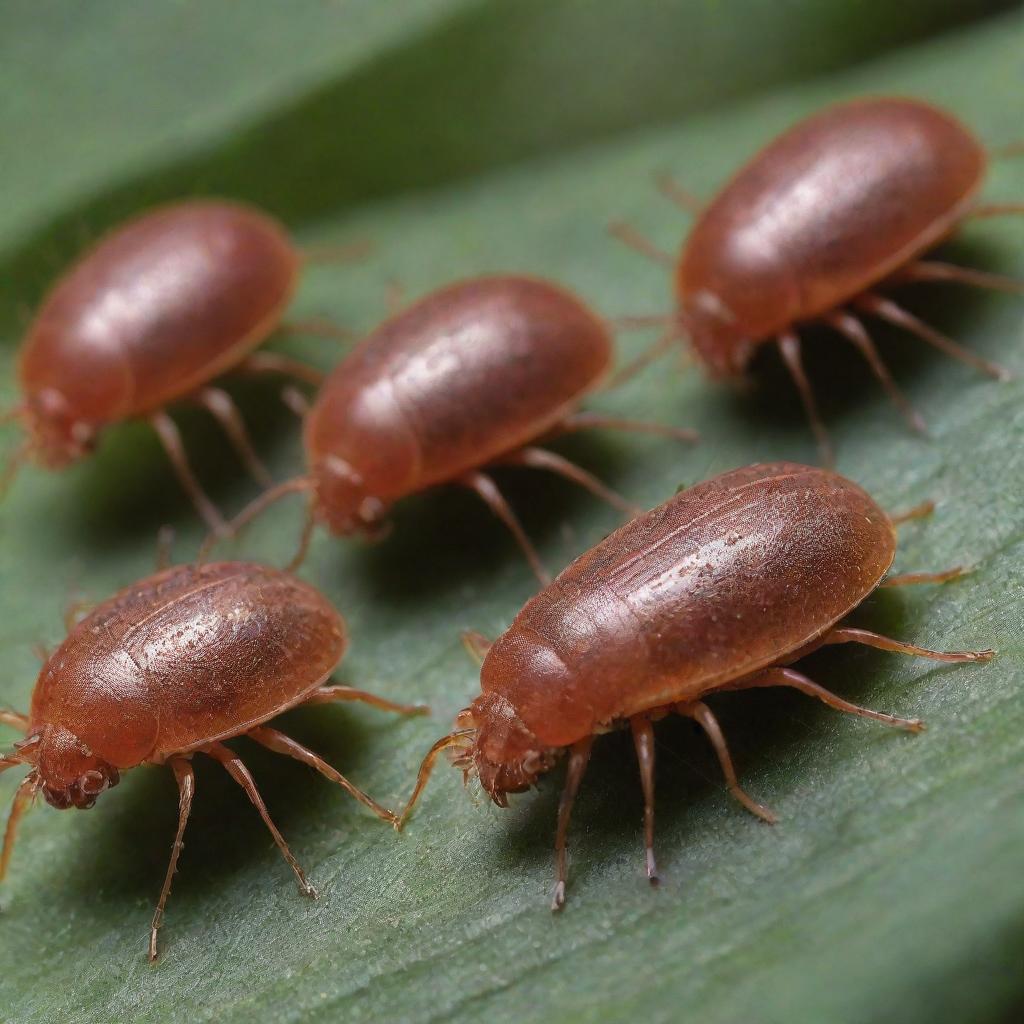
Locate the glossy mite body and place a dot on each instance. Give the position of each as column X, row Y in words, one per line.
column 148, row 316
column 470, row 376
column 844, row 203
column 173, row 666
column 720, row 588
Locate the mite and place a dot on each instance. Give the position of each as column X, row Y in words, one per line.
column 723, row 587
column 838, row 208
column 150, row 315
column 472, row 375
column 174, row 666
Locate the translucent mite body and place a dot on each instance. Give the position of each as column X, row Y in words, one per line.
column 173, row 666
column 722, row 587
column 843, row 204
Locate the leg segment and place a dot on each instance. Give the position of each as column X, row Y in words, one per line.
column 14, row 719
column 579, row 755
column 934, row 270
column 789, row 349
column 477, row 645
column 540, row 458
column 921, row 511
column 677, row 194
column 628, row 235
column 896, row 315
column 643, row 740
column 237, row 770
column 994, row 210
column 653, row 351
column 702, row 715
column 277, row 741
column 274, row 362
column 849, row 635
column 22, row 801
column 848, row 325
column 318, row 327
column 186, row 780
column 330, row 694
column 222, row 407
column 597, row 421
column 170, row 438
column 781, row 676
column 486, row 488
column 909, row 579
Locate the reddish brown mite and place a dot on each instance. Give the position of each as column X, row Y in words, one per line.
column 723, row 587
column 846, row 202
column 470, row 376
column 173, row 666
column 150, row 315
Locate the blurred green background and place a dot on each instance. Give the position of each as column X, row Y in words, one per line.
column 465, row 136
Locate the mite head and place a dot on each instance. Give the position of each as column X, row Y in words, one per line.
column 55, row 437
column 68, row 772
column 711, row 326
column 505, row 754
column 342, row 501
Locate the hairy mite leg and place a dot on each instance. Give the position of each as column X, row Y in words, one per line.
column 849, row 635
column 934, row 270
column 643, row 740
column 849, row 326
column 277, row 741
column 170, row 438
column 677, row 194
column 461, row 738
column 701, row 714
column 186, row 780
column 579, row 755
column 22, row 800
column 274, row 362
column 318, row 327
column 789, row 349
column 896, row 315
column 477, row 645
column 330, row 694
column 908, row 579
column 237, row 770
column 222, row 407
column 598, row 421
column 781, row 676
column 628, row 235
column 14, row 719
column 540, row 458
column 487, row 489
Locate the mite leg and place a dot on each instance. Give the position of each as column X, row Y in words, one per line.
column 22, row 801
column 643, row 740
column 237, row 770
column 221, row 406
column 789, row 349
column 539, row 458
column 628, row 235
column 477, row 645
column 14, row 719
column 579, row 755
column 790, row 677
column 702, row 715
column 186, row 780
column 486, row 488
column 164, row 547
column 654, row 351
column 921, row 511
column 598, row 421
column 277, row 741
column 170, row 438
column 934, row 270
column 330, row 694
column 889, row 311
column 75, row 611
column 994, row 210
column 274, row 362
column 461, row 738
column 849, row 326
column 678, row 194
column 908, row 579
column 849, row 635
column 296, row 402
column 346, row 252
column 318, row 327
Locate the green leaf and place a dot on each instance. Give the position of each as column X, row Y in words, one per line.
column 464, row 137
